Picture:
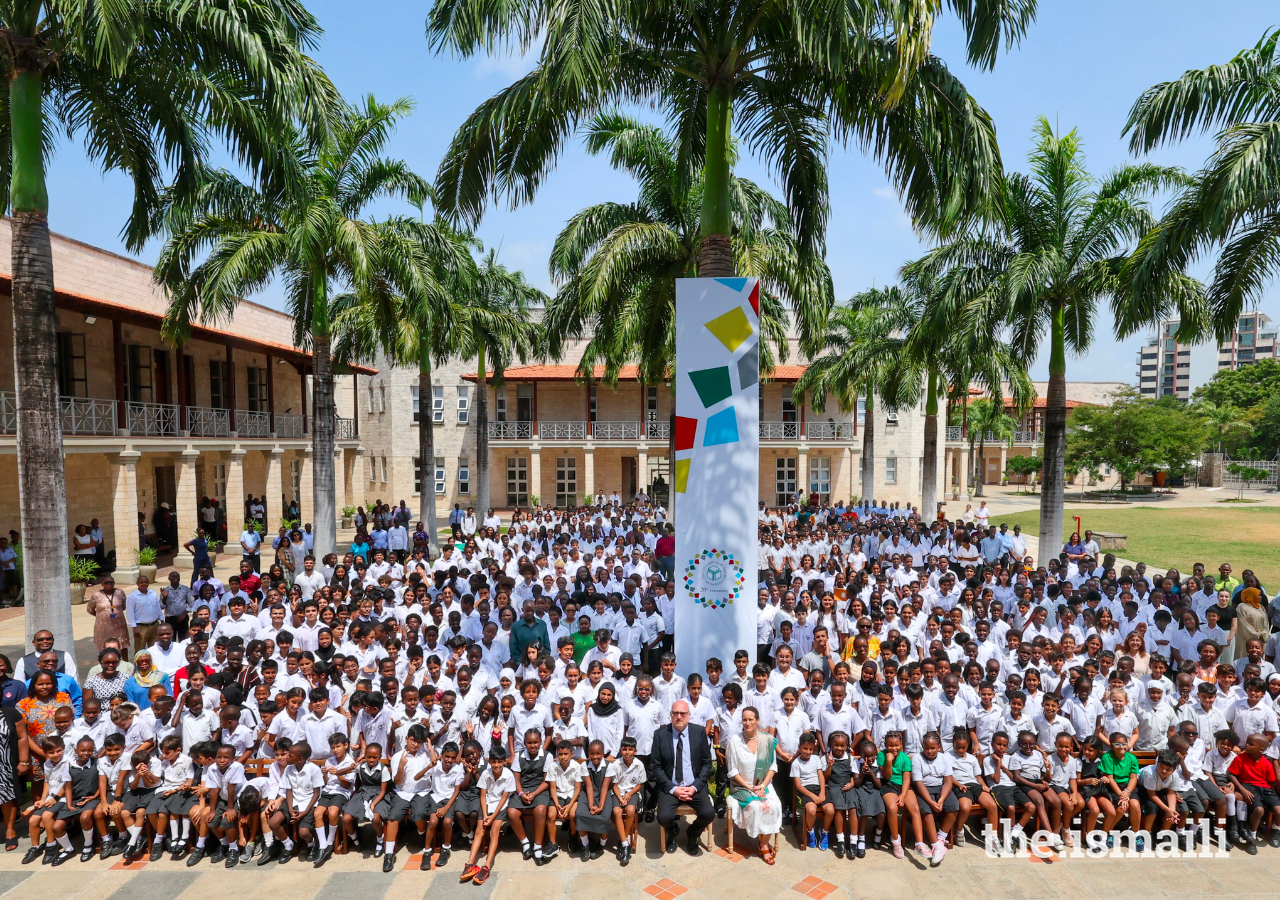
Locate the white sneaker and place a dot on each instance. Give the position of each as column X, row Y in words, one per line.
column 939, row 853
column 959, row 838
column 923, row 849
column 1056, row 842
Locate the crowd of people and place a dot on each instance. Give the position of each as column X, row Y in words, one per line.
column 914, row 684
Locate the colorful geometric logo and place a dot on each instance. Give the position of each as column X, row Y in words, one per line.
column 714, row 579
column 731, row 329
column 712, row 385
column 722, row 428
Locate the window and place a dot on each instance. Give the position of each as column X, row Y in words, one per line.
column 789, row 413
column 862, row 411
column 517, row 481
column 500, row 404
column 439, row 474
column 566, row 480
column 220, row 483
column 437, row 404
column 373, row 398
column 413, row 392
column 257, row 388
column 1170, row 344
column 417, row 475
column 219, row 393
column 464, row 476
column 464, row 404
column 785, row 480
column 384, row 470
column 295, row 478
column 373, row 469
column 891, row 470
column 591, row 403
column 73, row 373
column 820, row 477
column 1246, row 340
column 651, row 402
column 382, row 400
column 137, row 374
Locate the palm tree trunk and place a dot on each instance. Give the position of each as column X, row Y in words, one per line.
column 482, row 437
column 324, row 519
column 42, row 483
column 869, row 450
column 427, row 448
column 715, row 256
column 980, row 466
column 1053, row 477
column 929, row 481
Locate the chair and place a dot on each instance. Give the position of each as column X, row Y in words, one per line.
column 685, row 809
column 728, row 830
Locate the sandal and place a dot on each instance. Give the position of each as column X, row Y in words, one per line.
column 11, row 844
column 770, row 855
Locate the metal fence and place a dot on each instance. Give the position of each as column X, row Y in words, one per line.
column 1233, row 479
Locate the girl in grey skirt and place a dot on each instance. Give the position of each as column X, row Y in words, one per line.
column 527, row 808
column 870, row 799
column 466, row 809
column 840, row 791
column 595, row 805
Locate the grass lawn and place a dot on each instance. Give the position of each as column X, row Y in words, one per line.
column 1248, row 538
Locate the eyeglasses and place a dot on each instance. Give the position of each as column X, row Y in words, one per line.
column 675, row 713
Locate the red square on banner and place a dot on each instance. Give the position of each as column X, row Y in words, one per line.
column 755, row 299
column 686, row 432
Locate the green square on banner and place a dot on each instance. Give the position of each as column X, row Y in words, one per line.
column 712, row 385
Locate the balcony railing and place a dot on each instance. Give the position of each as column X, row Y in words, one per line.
column 829, row 431
column 562, row 431
column 657, row 431
column 510, row 431
column 253, row 424
column 204, row 421
column 955, row 433
column 151, row 419
column 80, row 415
column 779, row 431
column 1026, row 437
column 616, row 431
column 288, row 426
column 344, row 429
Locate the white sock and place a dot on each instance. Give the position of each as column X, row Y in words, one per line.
column 64, row 842
column 268, row 837
column 173, row 829
column 525, row 844
column 288, row 845
column 584, row 839
column 88, row 836
column 840, row 838
column 897, row 841
column 200, row 843
column 862, row 841
column 942, row 837
column 186, row 829
column 158, row 839
column 134, row 831
column 323, row 837
column 537, row 851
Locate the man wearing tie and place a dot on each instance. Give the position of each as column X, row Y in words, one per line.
column 681, row 762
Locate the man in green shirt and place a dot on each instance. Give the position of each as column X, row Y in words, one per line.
column 528, row 630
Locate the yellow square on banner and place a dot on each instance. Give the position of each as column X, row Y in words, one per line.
column 731, row 329
column 682, row 475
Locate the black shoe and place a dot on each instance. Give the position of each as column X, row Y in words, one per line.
column 540, row 860
column 63, row 856
column 313, row 854
column 121, row 845
column 426, row 859
column 218, row 855
column 272, row 852
column 1275, row 837
column 443, row 859
column 233, row 857
column 720, row 810
column 108, row 848
column 389, row 862
column 650, row 815
column 50, row 852
column 32, row 854
column 862, row 851
column 197, row 854
column 527, row 852
column 327, row 852
column 1250, row 846
column 87, row 853
column 586, row 853
column 625, row 856
column 837, row 847
column 179, row 849
column 286, row 854
column 672, row 841
column 157, row 851
column 692, row 846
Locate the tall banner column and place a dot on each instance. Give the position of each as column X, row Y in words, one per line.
column 716, row 471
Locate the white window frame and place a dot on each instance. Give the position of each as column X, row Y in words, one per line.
column 785, row 479
column 413, row 392
column 500, row 404
column 517, row 476
column 437, row 404
column 464, row 475
column 891, row 470
column 440, row 476
column 820, row 476
column 464, row 404
column 566, row 480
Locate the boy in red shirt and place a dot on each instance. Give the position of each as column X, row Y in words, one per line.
column 1254, row 777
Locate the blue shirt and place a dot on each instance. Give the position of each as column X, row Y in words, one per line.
column 992, row 548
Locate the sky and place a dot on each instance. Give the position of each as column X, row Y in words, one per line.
column 1082, row 65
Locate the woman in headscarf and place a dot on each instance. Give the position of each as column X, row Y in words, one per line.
column 145, row 676
column 1251, row 621
column 605, row 720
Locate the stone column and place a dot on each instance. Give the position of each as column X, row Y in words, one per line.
column 124, row 515
column 235, row 496
column 642, row 468
column 306, row 490
column 589, row 470
column 188, row 503
column 964, row 470
column 274, row 490
column 339, row 482
column 1004, row 461
column 535, row 472
column 802, row 471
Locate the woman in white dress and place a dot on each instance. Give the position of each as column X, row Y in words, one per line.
column 752, row 763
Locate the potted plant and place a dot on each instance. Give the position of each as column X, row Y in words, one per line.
column 82, row 571
column 348, row 516
column 147, row 563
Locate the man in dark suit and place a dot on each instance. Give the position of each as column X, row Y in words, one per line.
column 681, row 766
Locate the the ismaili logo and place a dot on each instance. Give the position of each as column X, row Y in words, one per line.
column 714, row 578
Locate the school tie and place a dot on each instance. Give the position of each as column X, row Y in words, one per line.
column 679, row 757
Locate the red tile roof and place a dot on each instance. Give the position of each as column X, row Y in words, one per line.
column 626, row 373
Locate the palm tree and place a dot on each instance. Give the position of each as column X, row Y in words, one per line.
column 145, row 85
column 784, row 75
column 493, row 315
column 858, row 352
column 406, row 313
column 1056, row 248
column 305, row 222
column 987, row 420
column 1223, row 421
column 1230, row 206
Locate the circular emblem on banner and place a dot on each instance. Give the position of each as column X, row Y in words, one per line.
column 714, row 578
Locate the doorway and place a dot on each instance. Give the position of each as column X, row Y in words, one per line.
column 629, row 488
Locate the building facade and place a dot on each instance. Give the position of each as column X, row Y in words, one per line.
column 1168, row 367
column 226, row 415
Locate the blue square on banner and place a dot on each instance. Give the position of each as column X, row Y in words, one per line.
column 722, row 428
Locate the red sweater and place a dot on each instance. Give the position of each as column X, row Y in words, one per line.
column 1257, row 772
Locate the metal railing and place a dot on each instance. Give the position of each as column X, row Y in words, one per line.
column 87, row 415
column 151, row 419
column 204, row 421
column 8, row 414
column 253, row 424
column 779, row 431
column 1026, row 437
column 510, row 431
column 829, row 431
column 658, row 431
column 955, row 433
column 562, row 431
column 616, row 431
column 288, row 426
column 344, row 429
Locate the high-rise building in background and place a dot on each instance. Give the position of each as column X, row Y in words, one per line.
column 1169, row 368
